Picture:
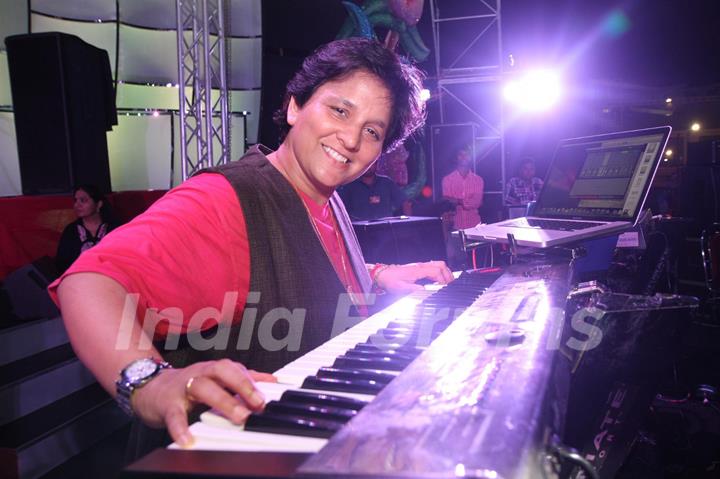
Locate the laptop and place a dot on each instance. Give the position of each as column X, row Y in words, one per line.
column 595, row 186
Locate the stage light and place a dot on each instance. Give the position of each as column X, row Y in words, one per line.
column 695, row 126
column 668, row 152
column 537, row 90
column 424, row 95
column 668, row 100
column 169, row 85
column 156, row 114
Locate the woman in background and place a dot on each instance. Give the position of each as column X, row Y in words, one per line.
column 92, row 225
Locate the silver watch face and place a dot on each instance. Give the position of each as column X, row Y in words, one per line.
column 140, row 369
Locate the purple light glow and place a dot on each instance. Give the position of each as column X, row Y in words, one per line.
column 535, row 91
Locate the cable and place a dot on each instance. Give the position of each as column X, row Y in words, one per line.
column 662, row 264
column 713, row 186
column 662, row 398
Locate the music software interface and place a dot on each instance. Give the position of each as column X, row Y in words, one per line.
column 602, row 179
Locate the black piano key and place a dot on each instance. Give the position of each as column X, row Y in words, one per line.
column 391, row 335
column 400, row 330
column 389, row 332
column 402, row 323
column 409, row 341
column 363, row 353
column 368, row 374
column 310, row 410
column 382, row 337
column 358, row 386
column 385, row 346
column 410, row 353
column 383, row 364
column 450, row 303
column 419, row 325
column 292, row 424
column 306, row 397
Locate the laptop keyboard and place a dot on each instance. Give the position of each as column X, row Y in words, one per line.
column 561, row 225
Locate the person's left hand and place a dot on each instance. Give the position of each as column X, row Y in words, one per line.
column 401, row 278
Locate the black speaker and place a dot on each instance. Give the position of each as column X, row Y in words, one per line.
column 286, row 42
column 401, row 240
column 26, row 289
column 63, row 102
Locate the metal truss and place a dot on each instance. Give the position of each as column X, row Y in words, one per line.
column 204, row 120
column 467, row 38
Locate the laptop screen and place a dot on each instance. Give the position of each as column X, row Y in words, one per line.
column 603, row 177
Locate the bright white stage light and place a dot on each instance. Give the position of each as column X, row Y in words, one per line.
column 424, row 95
column 537, row 90
column 695, row 126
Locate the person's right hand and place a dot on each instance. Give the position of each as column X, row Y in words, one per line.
column 224, row 385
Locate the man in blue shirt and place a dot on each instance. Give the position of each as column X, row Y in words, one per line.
column 372, row 196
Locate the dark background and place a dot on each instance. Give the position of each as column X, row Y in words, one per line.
column 619, row 60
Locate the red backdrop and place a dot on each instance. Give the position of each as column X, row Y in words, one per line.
column 30, row 226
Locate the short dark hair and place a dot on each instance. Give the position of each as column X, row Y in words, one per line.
column 340, row 58
column 465, row 149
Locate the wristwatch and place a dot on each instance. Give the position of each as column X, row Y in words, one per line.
column 135, row 375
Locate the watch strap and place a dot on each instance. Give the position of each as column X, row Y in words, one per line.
column 124, row 388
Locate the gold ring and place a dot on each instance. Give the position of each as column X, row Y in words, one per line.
column 188, row 394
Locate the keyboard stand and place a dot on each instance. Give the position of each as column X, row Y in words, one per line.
column 591, row 258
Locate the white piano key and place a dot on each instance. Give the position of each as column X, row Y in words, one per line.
column 215, row 432
column 229, row 437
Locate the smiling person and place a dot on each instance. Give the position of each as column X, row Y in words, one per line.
column 266, row 236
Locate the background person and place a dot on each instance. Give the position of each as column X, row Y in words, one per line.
column 525, row 187
column 464, row 190
column 191, row 252
column 372, row 196
column 93, row 223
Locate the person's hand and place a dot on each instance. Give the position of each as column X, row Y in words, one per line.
column 224, row 385
column 402, row 278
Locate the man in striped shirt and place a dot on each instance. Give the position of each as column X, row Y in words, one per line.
column 464, row 190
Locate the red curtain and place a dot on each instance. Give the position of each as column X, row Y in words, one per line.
column 31, row 225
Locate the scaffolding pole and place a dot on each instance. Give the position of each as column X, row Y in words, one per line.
column 458, row 67
column 202, row 85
